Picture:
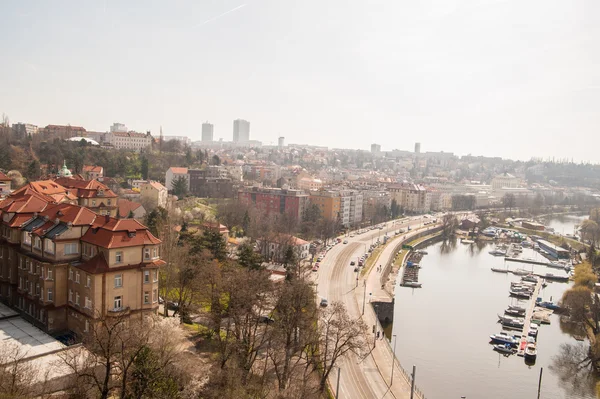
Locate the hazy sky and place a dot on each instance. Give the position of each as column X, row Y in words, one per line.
column 514, row 78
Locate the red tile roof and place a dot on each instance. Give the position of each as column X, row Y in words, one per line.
column 3, row 177
column 108, row 232
column 126, row 206
column 53, row 191
column 93, row 169
column 157, row 185
column 68, row 213
column 86, row 188
column 26, row 203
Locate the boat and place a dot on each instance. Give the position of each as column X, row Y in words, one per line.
column 514, row 313
column 522, row 272
column 513, row 322
column 529, row 278
column 469, row 242
column 498, row 252
column 411, row 284
column 504, row 338
column 552, row 277
column 533, row 330
column 517, row 308
column 495, row 269
column 505, row 349
column 520, row 294
column 548, row 305
column 530, row 352
column 422, row 252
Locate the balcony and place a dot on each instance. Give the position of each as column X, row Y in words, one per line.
column 117, row 312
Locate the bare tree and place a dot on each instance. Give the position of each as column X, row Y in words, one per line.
column 16, row 374
column 339, row 334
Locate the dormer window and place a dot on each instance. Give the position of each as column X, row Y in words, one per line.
column 48, row 246
column 26, row 238
column 37, row 243
column 146, row 253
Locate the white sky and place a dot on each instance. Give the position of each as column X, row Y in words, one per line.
column 489, row 77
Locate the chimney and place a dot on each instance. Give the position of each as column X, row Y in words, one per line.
column 107, row 218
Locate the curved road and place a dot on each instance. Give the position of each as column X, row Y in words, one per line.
column 336, row 281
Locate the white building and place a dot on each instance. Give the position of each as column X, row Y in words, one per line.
column 118, row 128
column 208, row 132
column 505, row 180
column 174, row 173
column 241, row 130
column 128, row 140
column 274, row 249
column 351, row 207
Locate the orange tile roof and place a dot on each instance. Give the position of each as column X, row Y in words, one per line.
column 69, row 213
column 93, row 169
column 108, row 232
column 26, row 203
column 53, row 191
column 175, row 169
column 3, row 177
column 157, row 185
column 86, row 188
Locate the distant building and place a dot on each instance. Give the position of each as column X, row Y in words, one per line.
column 375, row 148
column 281, row 142
column 23, row 130
column 276, row 200
column 411, row 197
column 154, row 194
column 63, row 131
column 93, row 172
column 417, row 148
column 92, row 194
column 275, row 248
column 118, row 128
column 128, row 140
column 241, row 130
column 345, row 206
column 505, row 180
column 310, row 184
column 208, row 132
column 210, row 182
column 173, row 173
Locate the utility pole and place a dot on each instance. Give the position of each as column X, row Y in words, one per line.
column 337, row 388
column 412, row 382
column 364, row 299
column 540, row 383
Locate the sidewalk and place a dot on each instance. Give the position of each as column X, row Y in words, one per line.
column 382, row 353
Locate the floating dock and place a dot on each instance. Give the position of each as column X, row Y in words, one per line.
column 528, row 315
column 529, row 261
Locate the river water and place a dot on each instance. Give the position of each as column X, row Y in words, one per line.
column 565, row 224
column 444, row 328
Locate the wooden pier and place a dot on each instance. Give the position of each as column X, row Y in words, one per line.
column 529, row 261
column 527, row 322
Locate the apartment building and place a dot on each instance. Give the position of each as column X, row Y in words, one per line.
column 210, row 182
column 63, row 266
column 154, row 194
column 411, row 197
column 328, row 203
column 276, row 200
column 351, row 207
column 173, row 173
column 93, row 171
column 92, row 194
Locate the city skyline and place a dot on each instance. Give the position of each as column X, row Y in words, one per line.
column 522, row 77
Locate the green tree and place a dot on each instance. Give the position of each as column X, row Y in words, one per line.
column 33, row 170
column 144, row 168
column 179, row 186
column 155, row 219
column 247, row 257
column 509, row 201
column 216, row 160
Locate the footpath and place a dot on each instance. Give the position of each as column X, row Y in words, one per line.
column 371, row 290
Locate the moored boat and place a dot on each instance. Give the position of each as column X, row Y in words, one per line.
column 495, row 269
column 530, row 352
column 552, row 277
column 504, row 338
column 505, row 349
column 498, row 252
column 518, row 308
column 514, row 313
column 520, row 294
column 411, row 284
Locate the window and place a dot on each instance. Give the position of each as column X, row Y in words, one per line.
column 146, row 297
column 77, row 277
column 31, row 267
column 155, row 272
column 119, row 257
column 70, row 274
column 37, row 269
column 88, row 281
column 154, row 252
column 27, row 238
column 87, row 326
column 77, row 298
column 50, row 295
column 48, row 246
column 88, row 303
column 71, row 249
column 37, row 289
column 70, row 295
column 118, row 303
column 155, row 295
column 118, row 280
column 49, row 274
column 93, row 202
column 108, row 202
column 20, row 282
column 146, row 276
column 146, row 253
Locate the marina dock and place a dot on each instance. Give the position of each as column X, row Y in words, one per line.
column 528, row 315
column 529, row 261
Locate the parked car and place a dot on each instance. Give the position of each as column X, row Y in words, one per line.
column 352, row 263
column 324, row 303
column 345, row 241
column 315, row 269
column 356, row 269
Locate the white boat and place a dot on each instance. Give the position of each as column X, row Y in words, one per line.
column 498, row 252
column 521, row 272
column 530, row 352
column 411, row 284
column 469, row 242
column 495, row 269
column 505, row 349
column 504, row 338
column 517, row 308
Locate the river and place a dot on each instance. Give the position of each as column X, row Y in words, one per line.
column 444, row 328
column 565, row 224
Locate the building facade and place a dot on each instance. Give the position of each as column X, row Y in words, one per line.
column 207, row 132
column 93, row 171
column 23, row 130
column 411, row 197
column 174, row 173
column 210, row 182
column 62, row 266
column 241, row 131
column 276, row 200
column 154, row 194
column 128, row 140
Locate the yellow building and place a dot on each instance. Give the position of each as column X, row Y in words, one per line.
column 328, row 202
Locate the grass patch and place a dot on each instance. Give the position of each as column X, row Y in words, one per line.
column 372, row 259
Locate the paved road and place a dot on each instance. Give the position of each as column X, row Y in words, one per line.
column 361, row 378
